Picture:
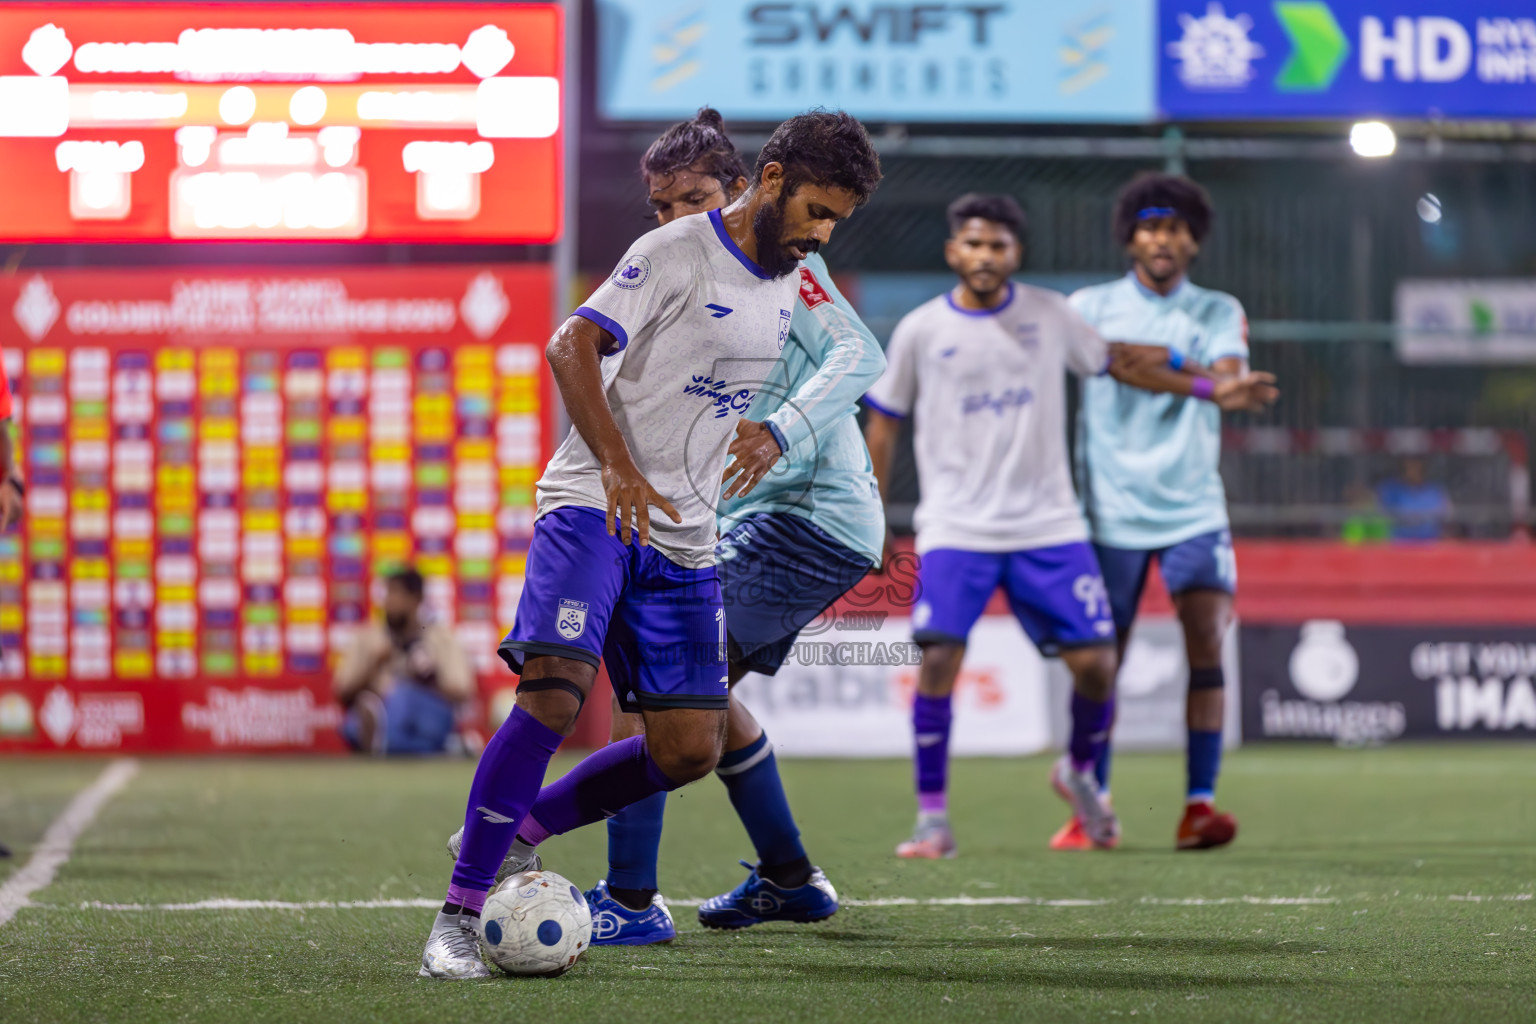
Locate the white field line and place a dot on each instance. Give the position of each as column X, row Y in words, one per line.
column 59, row 841
column 898, row 901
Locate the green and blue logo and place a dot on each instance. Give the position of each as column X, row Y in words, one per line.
column 1318, row 46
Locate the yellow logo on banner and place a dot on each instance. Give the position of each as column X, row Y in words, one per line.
column 1083, row 51
column 676, row 49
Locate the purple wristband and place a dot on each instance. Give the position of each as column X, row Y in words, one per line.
column 1203, row 387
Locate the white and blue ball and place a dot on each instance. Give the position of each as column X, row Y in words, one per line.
column 535, row 923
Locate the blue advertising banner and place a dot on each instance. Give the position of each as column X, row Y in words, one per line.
column 1248, row 59
column 1014, row 61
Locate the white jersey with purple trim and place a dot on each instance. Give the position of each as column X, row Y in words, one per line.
column 698, row 327
column 987, row 389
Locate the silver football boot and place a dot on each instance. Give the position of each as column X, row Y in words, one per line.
column 453, row 949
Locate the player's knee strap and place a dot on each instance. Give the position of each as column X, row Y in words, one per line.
column 1207, row 679
column 553, row 683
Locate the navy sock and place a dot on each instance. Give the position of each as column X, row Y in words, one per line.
column 1202, row 763
column 751, row 777
column 634, row 899
column 634, row 842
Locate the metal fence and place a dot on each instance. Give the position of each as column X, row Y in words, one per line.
column 1310, row 238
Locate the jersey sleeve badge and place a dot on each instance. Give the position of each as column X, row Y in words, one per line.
column 811, row 291
column 633, row 272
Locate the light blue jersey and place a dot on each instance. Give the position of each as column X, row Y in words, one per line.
column 830, row 360
column 1148, row 465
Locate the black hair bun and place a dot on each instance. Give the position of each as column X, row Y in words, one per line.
column 710, row 118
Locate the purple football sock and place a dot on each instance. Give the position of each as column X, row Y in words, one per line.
column 930, row 731
column 1090, row 729
column 506, row 784
column 604, row 783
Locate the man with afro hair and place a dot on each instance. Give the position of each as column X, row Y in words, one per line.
column 1148, row 467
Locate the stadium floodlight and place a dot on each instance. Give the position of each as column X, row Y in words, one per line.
column 1373, row 139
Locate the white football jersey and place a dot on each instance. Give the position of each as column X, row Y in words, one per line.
column 987, row 389
column 698, row 327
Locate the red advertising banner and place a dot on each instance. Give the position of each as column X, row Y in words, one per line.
column 222, row 465
column 168, row 716
column 396, row 122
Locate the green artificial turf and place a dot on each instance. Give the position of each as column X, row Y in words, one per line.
column 1392, row 885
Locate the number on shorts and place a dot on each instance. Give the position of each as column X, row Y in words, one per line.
column 1226, row 562
column 1090, row 591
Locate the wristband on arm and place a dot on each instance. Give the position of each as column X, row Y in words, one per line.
column 1202, row 388
column 1176, row 359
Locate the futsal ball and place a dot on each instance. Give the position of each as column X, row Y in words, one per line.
column 535, row 923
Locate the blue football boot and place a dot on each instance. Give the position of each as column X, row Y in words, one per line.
column 757, row 900
column 614, row 924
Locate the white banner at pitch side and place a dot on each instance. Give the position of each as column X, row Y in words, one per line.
column 849, row 694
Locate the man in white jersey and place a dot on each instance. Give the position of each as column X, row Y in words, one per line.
column 982, row 370
column 1148, row 468
column 655, row 370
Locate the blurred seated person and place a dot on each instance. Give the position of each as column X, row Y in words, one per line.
column 1365, row 522
column 1417, row 508
column 404, row 677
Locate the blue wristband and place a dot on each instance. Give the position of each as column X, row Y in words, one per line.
column 778, row 435
column 1175, row 359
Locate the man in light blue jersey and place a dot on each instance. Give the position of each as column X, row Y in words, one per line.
column 1148, row 471
column 791, row 543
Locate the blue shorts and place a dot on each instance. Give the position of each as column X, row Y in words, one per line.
column 658, row 627
column 416, row 720
column 779, row 571
column 1205, row 562
column 1056, row 593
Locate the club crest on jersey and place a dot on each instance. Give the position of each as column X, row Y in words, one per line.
column 572, row 619
column 633, row 272
column 785, row 318
column 811, row 291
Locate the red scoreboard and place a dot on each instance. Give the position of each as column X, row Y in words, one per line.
column 385, row 122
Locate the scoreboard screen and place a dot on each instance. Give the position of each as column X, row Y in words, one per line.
column 404, row 122
column 222, row 465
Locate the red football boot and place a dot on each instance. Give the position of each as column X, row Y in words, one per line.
column 1071, row 836
column 1204, row 827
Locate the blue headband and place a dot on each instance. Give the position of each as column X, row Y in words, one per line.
column 1156, row 211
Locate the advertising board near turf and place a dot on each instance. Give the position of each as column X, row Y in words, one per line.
column 847, row 692
column 419, row 122
column 167, row 716
column 1489, row 321
column 222, row 463
column 1373, row 684
column 1244, row 59
column 1010, row 61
